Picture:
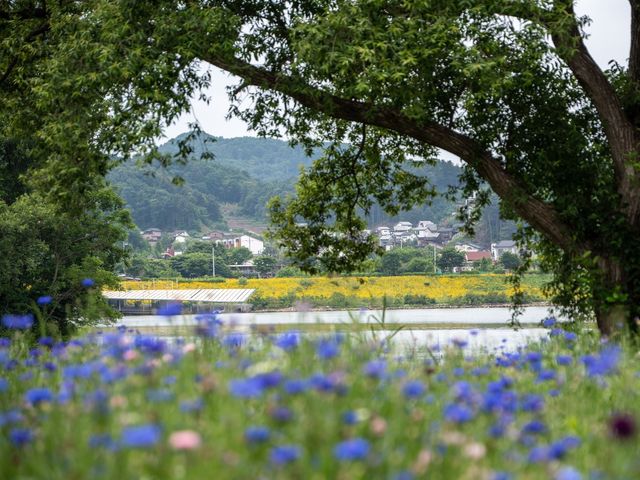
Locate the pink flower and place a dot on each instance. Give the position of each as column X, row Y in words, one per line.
column 185, row 440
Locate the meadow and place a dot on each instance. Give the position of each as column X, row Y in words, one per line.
column 355, row 292
column 116, row 404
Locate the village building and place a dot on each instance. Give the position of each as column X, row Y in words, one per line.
column 498, row 249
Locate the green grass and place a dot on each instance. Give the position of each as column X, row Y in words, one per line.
column 127, row 380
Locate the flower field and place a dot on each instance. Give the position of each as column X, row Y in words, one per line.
column 369, row 291
column 222, row 404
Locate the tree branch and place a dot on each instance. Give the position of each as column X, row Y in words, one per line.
column 620, row 131
column 540, row 215
column 634, row 51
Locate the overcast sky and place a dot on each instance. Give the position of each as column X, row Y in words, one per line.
column 609, row 35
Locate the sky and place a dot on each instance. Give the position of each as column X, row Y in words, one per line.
column 609, row 37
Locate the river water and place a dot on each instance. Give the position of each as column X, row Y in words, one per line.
column 480, row 327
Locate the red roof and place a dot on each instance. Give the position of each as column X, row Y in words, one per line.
column 477, row 256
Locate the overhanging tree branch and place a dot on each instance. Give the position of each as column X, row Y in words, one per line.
column 620, row 131
column 539, row 214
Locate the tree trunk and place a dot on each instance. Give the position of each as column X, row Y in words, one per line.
column 612, row 309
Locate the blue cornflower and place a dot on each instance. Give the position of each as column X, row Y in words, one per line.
column 353, row 449
column 246, row 388
column 568, row 473
column 413, row 389
column 350, row 417
column 570, row 336
column 234, row 340
column 534, row 426
column 10, row 417
column 87, row 282
column 170, row 309
column 549, row 322
column 269, row 379
column 141, row 436
column 531, row 403
column 281, row 414
column 257, row 434
column 4, row 384
column 20, row 436
column 558, row 449
column 295, row 386
column 375, row 368
column 288, row 341
column 150, row 345
column 546, row 375
column 283, row 454
column 327, row 348
column 539, row 454
column 46, row 342
column 44, row 300
column 17, row 322
column 564, row 359
column 208, row 325
column 604, row 363
column 459, row 342
column 36, row 396
column 457, row 413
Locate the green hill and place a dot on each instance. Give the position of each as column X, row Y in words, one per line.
column 243, row 175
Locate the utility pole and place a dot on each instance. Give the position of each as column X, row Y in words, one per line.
column 434, row 259
column 213, row 260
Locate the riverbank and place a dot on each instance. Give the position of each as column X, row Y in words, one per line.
column 329, row 293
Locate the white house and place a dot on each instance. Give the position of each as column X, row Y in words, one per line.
column 181, row 237
column 383, row 231
column 467, row 247
column 253, row 244
column 497, row 249
column 402, row 227
column 427, row 225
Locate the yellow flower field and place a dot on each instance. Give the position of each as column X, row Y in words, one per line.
column 441, row 288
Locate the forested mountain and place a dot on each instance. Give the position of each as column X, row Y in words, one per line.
column 247, row 172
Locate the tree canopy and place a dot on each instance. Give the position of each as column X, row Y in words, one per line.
column 507, row 86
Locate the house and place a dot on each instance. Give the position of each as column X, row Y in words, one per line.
column 181, row 237
column 427, row 225
column 498, row 249
column 468, row 247
column 402, row 227
column 446, row 233
column 246, row 269
column 253, row 244
column 151, row 235
column 168, row 253
column 405, row 238
column 383, row 231
column 428, row 237
column 386, row 241
column 472, row 257
column 213, row 236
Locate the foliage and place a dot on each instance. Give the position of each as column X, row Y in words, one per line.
column 192, row 265
column 450, row 258
column 45, row 252
column 380, row 88
column 265, row 265
column 510, row 261
column 301, row 406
